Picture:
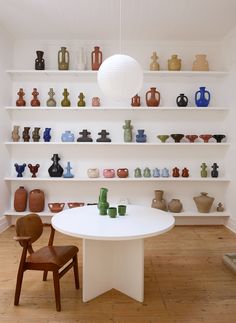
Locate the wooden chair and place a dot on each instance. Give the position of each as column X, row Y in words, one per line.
column 50, row 258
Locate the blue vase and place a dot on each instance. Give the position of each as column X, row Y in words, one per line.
column 68, row 173
column 165, row 172
column 46, row 134
column 67, row 136
column 202, row 97
column 20, row 169
column 141, row 137
column 156, row 172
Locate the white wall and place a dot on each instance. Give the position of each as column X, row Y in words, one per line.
column 5, row 86
column 229, row 54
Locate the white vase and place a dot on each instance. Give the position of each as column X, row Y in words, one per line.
column 81, row 58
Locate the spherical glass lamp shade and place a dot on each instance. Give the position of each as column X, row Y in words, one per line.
column 120, row 77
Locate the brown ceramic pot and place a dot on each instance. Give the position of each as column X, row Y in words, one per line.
column 20, row 199
column 158, row 202
column 203, row 202
column 36, row 200
column 96, row 58
column 175, row 206
column 122, row 172
column 56, row 207
column 75, row 204
column 153, row 97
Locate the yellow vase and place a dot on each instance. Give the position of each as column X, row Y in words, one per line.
column 174, row 64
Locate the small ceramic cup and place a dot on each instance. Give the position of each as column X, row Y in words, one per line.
column 121, row 209
column 112, row 212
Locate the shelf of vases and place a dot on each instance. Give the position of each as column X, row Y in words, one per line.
column 78, row 73
column 224, row 214
column 116, row 144
column 134, row 109
column 118, row 179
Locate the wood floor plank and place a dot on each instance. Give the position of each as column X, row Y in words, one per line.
column 185, row 282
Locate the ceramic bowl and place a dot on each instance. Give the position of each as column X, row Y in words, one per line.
column 191, row 138
column 177, row 136
column 163, row 138
column 56, row 207
column 75, row 204
column 205, row 137
column 218, row 138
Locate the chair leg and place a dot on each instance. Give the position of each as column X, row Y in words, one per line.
column 57, row 290
column 76, row 271
column 18, row 285
column 45, row 274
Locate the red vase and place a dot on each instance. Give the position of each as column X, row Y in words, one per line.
column 96, row 58
column 153, row 97
column 20, row 199
column 36, row 200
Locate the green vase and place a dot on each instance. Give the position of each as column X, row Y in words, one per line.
column 102, row 201
column 65, row 102
column 81, row 102
column 127, row 131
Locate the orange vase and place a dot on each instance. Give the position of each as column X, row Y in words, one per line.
column 96, row 58
column 153, row 97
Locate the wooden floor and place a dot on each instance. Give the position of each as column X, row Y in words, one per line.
column 185, row 282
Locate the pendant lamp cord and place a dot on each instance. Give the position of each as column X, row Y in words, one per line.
column 120, row 22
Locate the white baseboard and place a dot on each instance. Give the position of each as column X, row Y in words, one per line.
column 4, row 223
column 231, row 225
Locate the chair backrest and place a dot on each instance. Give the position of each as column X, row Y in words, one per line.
column 29, row 226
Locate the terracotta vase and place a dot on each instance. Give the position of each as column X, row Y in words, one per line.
column 36, row 200
column 20, row 102
column 175, row 206
column 200, row 64
column 35, row 102
column 20, row 199
column 135, row 101
column 153, row 97
column 96, row 58
column 158, row 202
column 203, row 202
column 25, row 134
column 122, row 172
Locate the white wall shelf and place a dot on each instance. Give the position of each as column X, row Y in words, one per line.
column 117, row 179
column 94, row 73
column 110, row 109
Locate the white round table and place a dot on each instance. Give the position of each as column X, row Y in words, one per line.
column 113, row 248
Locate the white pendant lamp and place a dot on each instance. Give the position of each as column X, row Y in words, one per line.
column 120, row 76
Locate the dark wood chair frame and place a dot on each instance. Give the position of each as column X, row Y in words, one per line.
column 45, row 263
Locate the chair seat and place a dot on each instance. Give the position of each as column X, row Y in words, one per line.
column 52, row 255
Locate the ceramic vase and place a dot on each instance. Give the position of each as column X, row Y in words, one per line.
column 56, row 207
column 158, row 202
column 20, row 199
column 81, row 59
column 35, row 101
column 96, row 58
column 51, row 102
column 35, row 134
column 203, row 202
column 55, row 170
column 122, row 172
column 200, row 63
column 93, row 172
column 141, row 137
column 63, row 59
column 47, row 135
column 81, row 102
column 65, row 102
column 154, row 66
column 103, row 204
column 67, row 136
column 33, row 169
column 25, row 134
column 174, row 63
column 96, row 101
column 20, row 169
column 127, row 131
column 15, row 133
column 202, row 97
column 153, row 97
column 20, row 102
column 182, row 100
column 39, row 62
column 67, row 173
column 36, row 200
column 175, row 206
column 135, row 101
